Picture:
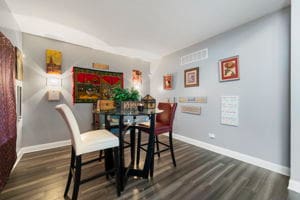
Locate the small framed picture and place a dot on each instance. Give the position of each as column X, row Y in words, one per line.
column 19, row 64
column 229, row 69
column 53, row 61
column 191, row 77
column 136, row 76
column 168, row 82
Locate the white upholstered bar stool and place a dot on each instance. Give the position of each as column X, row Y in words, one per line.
column 85, row 143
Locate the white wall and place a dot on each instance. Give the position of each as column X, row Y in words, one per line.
column 263, row 49
column 9, row 26
column 295, row 93
column 42, row 123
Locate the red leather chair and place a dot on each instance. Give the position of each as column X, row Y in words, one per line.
column 163, row 124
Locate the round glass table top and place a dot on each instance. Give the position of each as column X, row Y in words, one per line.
column 132, row 112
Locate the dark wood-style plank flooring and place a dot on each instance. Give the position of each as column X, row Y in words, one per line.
column 200, row 174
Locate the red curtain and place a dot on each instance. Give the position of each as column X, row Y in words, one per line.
column 8, row 130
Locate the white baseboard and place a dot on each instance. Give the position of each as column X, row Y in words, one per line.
column 236, row 155
column 46, row 146
column 294, row 186
column 19, row 156
column 40, row 147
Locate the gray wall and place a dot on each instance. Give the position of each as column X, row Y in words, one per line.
column 295, row 90
column 10, row 28
column 263, row 49
column 42, row 124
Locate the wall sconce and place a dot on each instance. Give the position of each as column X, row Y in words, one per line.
column 54, row 82
column 137, row 86
column 54, row 87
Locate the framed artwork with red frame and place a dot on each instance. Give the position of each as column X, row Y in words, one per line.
column 229, row 69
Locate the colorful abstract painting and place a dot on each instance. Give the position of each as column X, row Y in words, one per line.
column 91, row 85
column 53, row 61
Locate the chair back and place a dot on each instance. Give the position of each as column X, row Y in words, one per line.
column 70, row 120
column 166, row 117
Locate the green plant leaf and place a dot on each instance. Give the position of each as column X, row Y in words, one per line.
column 119, row 94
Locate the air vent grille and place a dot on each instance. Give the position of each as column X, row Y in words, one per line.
column 194, row 57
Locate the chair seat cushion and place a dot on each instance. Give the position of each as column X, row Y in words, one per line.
column 97, row 140
column 159, row 127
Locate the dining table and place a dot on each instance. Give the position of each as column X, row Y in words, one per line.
column 127, row 121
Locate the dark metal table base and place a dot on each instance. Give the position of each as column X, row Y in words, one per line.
column 128, row 171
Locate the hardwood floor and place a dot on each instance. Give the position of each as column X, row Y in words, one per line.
column 200, row 174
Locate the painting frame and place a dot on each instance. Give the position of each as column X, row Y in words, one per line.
column 168, row 82
column 195, row 110
column 233, row 67
column 136, row 78
column 193, row 99
column 90, row 85
column 100, row 66
column 191, row 77
column 53, row 61
column 19, row 64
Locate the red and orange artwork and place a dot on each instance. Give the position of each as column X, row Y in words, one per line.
column 229, row 69
column 53, row 61
column 168, row 82
column 91, row 85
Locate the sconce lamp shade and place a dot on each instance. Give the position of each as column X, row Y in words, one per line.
column 54, row 82
column 54, row 88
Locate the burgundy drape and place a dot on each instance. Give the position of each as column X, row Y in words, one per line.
column 8, row 130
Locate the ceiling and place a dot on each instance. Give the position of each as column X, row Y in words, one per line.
column 146, row 29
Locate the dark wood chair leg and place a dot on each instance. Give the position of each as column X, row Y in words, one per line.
column 109, row 161
column 138, row 152
column 100, row 155
column 117, row 167
column 77, row 177
column 157, row 146
column 171, row 148
column 70, row 172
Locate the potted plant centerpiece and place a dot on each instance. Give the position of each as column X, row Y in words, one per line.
column 126, row 99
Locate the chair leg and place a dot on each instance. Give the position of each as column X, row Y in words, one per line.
column 77, row 177
column 117, row 167
column 157, row 145
column 109, row 162
column 100, row 155
column 70, row 172
column 171, row 148
column 138, row 152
